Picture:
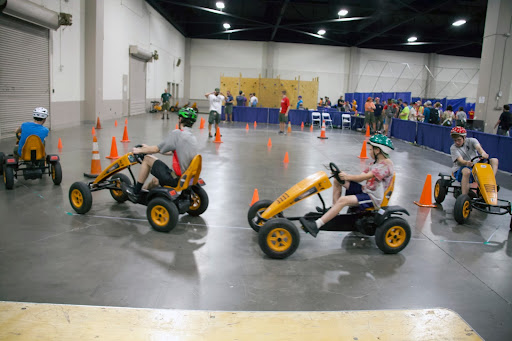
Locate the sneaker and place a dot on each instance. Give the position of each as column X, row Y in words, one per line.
column 167, row 116
column 320, row 210
column 163, row 117
column 130, row 192
column 309, row 226
column 210, row 136
column 281, row 132
column 284, row 133
column 216, row 134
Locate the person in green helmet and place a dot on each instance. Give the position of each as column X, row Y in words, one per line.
column 181, row 143
column 377, row 175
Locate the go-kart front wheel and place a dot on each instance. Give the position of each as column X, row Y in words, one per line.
column 9, row 177
column 462, row 208
column 56, row 171
column 118, row 194
column 440, row 191
column 393, row 235
column 257, row 207
column 278, row 238
column 2, row 157
column 198, row 202
column 80, row 197
column 162, row 214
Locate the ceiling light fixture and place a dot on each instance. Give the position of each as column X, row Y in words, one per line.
column 411, row 39
column 226, row 26
column 459, row 22
column 220, row 5
column 342, row 12
column 321, row 32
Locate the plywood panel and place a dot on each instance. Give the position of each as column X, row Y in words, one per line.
column 230, row 83
column 309, row 92
column 270, row 89
column 250, row 85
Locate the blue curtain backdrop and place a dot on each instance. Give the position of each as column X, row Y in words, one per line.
column 405, row 96
column 349, row 96
column 456, row 103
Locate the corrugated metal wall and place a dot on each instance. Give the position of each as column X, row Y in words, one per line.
column 137, row 86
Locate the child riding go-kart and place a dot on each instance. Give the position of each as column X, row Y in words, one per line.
column 278, row 237
column 482, row 197
column 169, row 195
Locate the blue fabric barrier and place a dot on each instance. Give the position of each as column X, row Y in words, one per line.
column 359, row 99
column 386, row 96
column 469, row 107
column 405, row 96
column 489, row 142
column 504, row 148
column 404, row 130
column 248, row 114
column 456, row 103
column 434, row 136
column 349, row 96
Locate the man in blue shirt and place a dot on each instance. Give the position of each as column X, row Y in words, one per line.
column 241, row 99
column 426, row 111
column 300, row 103
column 32, row 128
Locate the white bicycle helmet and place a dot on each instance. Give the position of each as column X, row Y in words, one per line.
column 40, row 112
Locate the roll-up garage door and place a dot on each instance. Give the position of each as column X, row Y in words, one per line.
column 137, row 86
column 24, row 72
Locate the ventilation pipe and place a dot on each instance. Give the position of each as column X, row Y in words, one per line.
column 140, row 53
column 35, row 14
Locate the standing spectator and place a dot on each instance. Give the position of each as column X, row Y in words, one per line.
column 504, row 122
column 327, row 102
column 228, row 110
column 300, row 103
column 471, row 114
column 321, row 103
column 426, row 112
column 447, row 116
column 341, row 104
column 348, row 106
column 166, row 103
column 420, row 109
column 369, row 118
column 283, row 113
column 254, row 100
column 354, row 107
column 434, row 116
column 377, row 126
column 390, row 111
column 216, row 99
column 461, row 117
column 413, row 113
column 404, row 114
column 240, row 99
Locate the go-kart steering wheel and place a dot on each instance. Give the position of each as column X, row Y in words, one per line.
column 479, row 157
column 336, row 172
column 139, row 157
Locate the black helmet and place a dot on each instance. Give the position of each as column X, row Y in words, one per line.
column 188, row 114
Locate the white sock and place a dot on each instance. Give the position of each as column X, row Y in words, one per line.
column 319, row 223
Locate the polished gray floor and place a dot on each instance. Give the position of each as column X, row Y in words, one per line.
column 111, row 256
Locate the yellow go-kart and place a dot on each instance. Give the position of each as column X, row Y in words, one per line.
column 483, row 198
column 279, row 238
column 164, row 203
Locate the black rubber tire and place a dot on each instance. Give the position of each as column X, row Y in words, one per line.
column 462, row 208
column 2, row 158
column 9, row 177
column 440, row 191
column 393, row 235
column 258, row 206
column 80, row 197
column 165, row 210
column 199, row 202
column 279, row 238
column 56, row 170
column 119, row 195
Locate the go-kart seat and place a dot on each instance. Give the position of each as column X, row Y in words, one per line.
column 388, row 192
column 33, row 149
column 191, row 175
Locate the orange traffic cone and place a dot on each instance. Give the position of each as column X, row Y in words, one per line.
column 255, row 197
column 289, row 127
column 177, row 126
column 311, row 128
column 367, row 131
column 302, row 126
column 217, row 136
column 125, row 121
column 98, row 124
column 59, row 145
column 95, row 162
column 255, row 124
column 125, row 135
column 115, row 123
column 426, row 194
column 269, row 144
column 363, row 154
column 286, row 160
column 322, row 133
column 93, row 131
column 201, row 125
column 113, row 149
column 247, row 126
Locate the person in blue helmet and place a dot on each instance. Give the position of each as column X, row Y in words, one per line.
column 36, row 127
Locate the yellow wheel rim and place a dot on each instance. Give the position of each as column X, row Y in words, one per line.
column 118, row 193
column 53, row 173
column 279, row 240
column 465, row 209
column 77, row 198
column 196, row 202
column 436, row 190
column 5, row 180
column 395, row 236
column 160, row 215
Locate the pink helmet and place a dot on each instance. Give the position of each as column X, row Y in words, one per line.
column 458, row 131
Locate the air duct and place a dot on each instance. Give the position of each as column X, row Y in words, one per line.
column 35, row 14
column 140, row 53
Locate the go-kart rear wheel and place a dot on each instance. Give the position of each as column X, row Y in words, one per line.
column 393, row 235
column 162, row 214
column 278, row 238
column 56, row 170
column 80, row 197
column 462, row 208
column 2, row 157
column 118, row 194
column 9, row 177
column 199, row 201
column 440, row 191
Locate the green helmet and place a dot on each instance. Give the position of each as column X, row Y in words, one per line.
column 383, row 143
column 188, row 113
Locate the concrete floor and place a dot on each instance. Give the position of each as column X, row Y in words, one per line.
column 112, row 257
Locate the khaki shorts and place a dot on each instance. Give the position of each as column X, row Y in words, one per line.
column 214, row 117
column 283, row 118
column 166, row 106
column 368, row 118
column 228, row 109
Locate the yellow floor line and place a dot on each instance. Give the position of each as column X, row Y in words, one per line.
column 31, row 321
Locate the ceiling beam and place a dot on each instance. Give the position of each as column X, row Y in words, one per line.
column 457, row 46
column 276, row 26
column 314, row 35
column 326, row 21
column 166, row 15
column 389, row 28
column 234, row 31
